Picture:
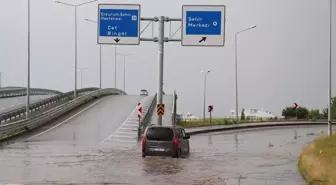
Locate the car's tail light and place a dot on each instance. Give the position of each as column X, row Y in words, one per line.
column 143, row 142
column 175, row 141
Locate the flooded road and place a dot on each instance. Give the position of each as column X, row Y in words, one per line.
column 251, row 157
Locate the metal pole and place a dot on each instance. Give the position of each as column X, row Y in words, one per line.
column 124, row 73
column 100, row 66
column 204, row 95
column 115, row 66
column 0, row 79
column 81, row 78
column 330, row 58
column 160, row 66
column 28, row 70
column 236, row 75
column 236, row 66
column 75, row 91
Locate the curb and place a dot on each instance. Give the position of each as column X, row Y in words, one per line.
column 247, row 126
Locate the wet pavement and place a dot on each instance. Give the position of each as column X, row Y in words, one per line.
column 251, row 157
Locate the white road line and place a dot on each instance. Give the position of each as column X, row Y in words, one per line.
column 78, row 113
column 130, row 124
column 126, row 141
column 135, row 109
column 123, row 136
column 132, row 133
column 127, row 128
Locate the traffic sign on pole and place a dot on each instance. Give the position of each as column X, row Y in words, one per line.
column 160, row 109
column 203, row 25
column 210, row 108
column 139, row 110
column 296, row 105
column 119, row 24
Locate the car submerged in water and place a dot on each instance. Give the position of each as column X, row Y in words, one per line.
column 165, row 141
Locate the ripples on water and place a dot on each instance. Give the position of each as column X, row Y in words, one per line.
column 250, row 157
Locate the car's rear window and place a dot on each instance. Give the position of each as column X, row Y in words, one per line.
column 160, row 134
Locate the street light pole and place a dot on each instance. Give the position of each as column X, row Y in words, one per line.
column 124, row 55
column 81, row 73
column 75, row 92
column 0, row 79
column 236, row 66
column 330, row 59
column 204, row 95
column 100, row 58
column 75, row 6
column 115, row 67
column 28, row 66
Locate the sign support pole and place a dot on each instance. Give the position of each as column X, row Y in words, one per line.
column 160, row 65
column 210, row 117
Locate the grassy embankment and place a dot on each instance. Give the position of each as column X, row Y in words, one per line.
column 317, row 162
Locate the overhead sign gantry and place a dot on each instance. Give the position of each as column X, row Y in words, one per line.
column 202, row 25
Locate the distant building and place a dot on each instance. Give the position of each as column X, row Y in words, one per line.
column 187, row 117
column 254, row 114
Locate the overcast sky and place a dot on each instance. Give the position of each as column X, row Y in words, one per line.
column 284, row 60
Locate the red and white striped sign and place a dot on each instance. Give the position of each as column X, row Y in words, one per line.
column 139, row 110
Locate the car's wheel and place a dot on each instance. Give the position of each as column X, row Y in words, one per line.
column 143, row 155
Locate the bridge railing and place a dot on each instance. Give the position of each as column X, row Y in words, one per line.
column 147, row 117
column 8, row 130
column 19, row 113
column 7, row 93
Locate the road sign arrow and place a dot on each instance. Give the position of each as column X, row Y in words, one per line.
column 203, row 39
column 117, row 40
column 296, row 105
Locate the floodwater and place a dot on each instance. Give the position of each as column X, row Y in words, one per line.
column 250, row 157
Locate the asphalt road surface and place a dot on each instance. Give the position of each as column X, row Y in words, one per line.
column 93, row 124
column 252, row 157
column 8, row 104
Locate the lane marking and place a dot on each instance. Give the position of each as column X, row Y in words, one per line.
column 134, row 111
column 130, row 133
column 78, row 113
column 123, row 136
column 121, row 140
column 131, row 124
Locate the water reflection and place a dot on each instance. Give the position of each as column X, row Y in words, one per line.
column 162, row 165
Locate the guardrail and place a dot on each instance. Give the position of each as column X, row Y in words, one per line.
column 15, row 128
column 146, row 118
column 7, row 93
column 19, row 113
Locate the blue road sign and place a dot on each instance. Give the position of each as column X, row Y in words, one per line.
column 203, row 22
column 119, row 23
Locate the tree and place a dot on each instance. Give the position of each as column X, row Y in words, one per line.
column 243, row 115
column 333, row 110
column 291, row 112
column 314, row 114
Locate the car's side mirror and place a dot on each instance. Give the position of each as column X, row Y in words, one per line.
column 187, row 137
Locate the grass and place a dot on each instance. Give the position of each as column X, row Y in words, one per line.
column 218, row 121
column 317, row 162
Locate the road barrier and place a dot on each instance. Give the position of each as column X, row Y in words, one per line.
column 147, row 117
column 220, row 128
column 20, row 91
column 9, row 130
column 19, row 113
